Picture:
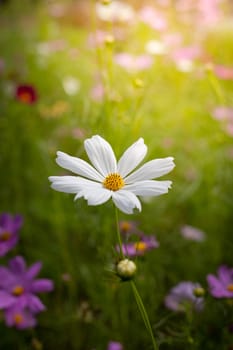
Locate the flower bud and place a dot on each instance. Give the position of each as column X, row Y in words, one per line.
column 138, row 83
column 199, row 292
column 109, row 40
column 126, row 269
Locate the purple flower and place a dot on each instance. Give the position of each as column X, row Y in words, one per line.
column 184, row 294
column 129, row 227
column 18, row 288
column 9, row 227
column 221, row 286
column 20, row 317
column 114, row 345
column 139, row 248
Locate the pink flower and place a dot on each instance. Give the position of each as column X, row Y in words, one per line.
column 223, row 72
column 192, row 233
column 153, row 18
column 132, row 62
column 223, row 113
column 221, row 286
column 97, row 92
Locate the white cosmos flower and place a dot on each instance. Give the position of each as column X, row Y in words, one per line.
column 106, row 178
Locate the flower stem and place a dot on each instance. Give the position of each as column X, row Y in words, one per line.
column 143, row 314
column 118, row 234
column 137, row 296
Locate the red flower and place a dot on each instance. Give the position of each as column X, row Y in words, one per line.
column 26, row 94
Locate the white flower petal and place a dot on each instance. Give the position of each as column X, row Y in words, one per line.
column 126, row 201
column 149, row 187
column 67, row 184
column 150, row 170
column 101, row 155
column 132, row 157
column 78, row 166
column 72, row 184
column 96, row 197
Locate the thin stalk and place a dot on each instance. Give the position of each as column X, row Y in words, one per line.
column 144, row 314
column 216, row 87
column 118, row 234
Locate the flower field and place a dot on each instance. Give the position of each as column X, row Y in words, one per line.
column 116, row 158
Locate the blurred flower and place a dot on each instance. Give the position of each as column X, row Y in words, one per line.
column 57, row 10
column 184, row 57
column 225, row 116
column 209, row 12
column 221, row 286
column 58, row 109
column 114, row 345
column 71, row 85
column 115, row 11
column 26, row 94
column 20, row 317
column 97, row 38
column 48, row 47
column 184, row 294
column 223, row 72
column 129, row 227
column 9, row 227
column 111, row 179
column 133, row 63
column 153, row 18
column 155, row 47
column 66, row 277
column 18, row 288
column 223, row 113
column 146, row 243
column 97, row 92
column 192, row 233
column 78, row 133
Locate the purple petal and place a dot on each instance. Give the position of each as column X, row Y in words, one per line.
column 34, row 304
column 17, row 222
column 225, row 275
column 42, row 285
column 17, row 265
column 33, row 270
column 6, row 246
column 6, row 300
column 5, row 218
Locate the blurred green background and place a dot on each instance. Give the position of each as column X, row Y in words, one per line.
column 46, row 44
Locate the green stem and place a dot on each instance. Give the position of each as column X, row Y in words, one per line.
column 118, row 234
column 216, row 87
column 143, row 314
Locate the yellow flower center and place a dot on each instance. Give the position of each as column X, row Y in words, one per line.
column 18, row 318
column 17, row 290
column 125, row 226
column 230, row 287
column 113, row 182
column 5, row 236
column 140, row 246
